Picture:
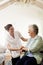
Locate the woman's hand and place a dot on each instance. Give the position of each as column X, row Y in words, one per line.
column 8, row 46
column 21, row 47
column 24, row 49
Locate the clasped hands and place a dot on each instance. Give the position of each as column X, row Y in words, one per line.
column 23, row 49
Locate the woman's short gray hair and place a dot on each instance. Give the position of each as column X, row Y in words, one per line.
column 35, row 27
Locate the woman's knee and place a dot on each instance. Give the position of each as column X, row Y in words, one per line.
column 30, row 61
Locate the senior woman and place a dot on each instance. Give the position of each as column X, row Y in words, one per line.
column 32, row 54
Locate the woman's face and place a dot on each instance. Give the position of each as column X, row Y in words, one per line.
column 11, row 30
column 31, row 31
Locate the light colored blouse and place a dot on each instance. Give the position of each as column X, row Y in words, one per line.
column 34, row 45
column 14, row 42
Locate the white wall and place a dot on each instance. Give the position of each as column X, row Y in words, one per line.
column 21, row 16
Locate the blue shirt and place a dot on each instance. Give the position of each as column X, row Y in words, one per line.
column 28, row 53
